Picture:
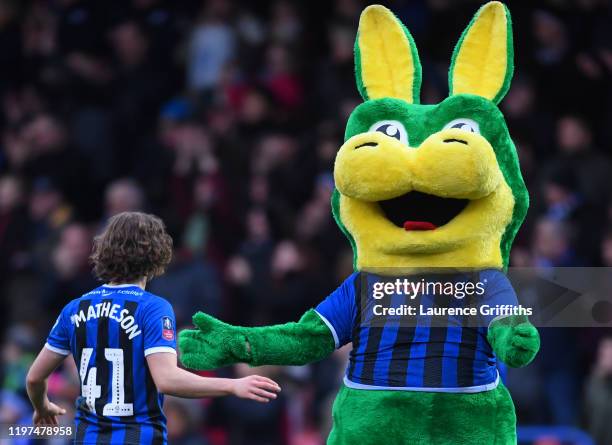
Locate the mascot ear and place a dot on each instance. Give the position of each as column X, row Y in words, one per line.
column 482, row 62
column 386, row 59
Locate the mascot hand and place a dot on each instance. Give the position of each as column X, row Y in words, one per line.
column 213, row 345
column 516, row 342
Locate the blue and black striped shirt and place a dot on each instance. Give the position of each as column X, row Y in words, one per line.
column 452, row 356
column 109, row 332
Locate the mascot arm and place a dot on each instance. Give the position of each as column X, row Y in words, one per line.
column 216, row 344
column 515, row 340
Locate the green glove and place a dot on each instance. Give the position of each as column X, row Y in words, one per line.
column 213, row 345
column 216, row 344
column 514, row 340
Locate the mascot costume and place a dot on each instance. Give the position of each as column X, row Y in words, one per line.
column 418, row 187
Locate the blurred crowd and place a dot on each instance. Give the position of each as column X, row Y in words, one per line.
column 223, row 117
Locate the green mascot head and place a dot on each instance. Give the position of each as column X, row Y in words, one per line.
column 430, row 185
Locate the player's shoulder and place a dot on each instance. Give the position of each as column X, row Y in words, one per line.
column 151, row 301
column 492, row 273
column 354, row 279
column 492, row 278
column 345, row 292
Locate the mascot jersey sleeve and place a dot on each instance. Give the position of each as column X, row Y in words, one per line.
column 415, row 356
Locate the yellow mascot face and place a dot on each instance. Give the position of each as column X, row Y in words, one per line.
column 430, row 185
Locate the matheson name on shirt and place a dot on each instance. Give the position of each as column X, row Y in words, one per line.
column 108, row 310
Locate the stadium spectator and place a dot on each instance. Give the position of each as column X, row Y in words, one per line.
column 13, row 223
column 598, row 395
column 123, row 195
column 212, row 45
column 592, row 168
column 70, row 269
column 183, row 421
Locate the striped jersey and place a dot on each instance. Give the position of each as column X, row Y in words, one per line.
column 452, row 356
column 109, row 332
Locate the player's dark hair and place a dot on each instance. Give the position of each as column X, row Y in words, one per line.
column 133, row 246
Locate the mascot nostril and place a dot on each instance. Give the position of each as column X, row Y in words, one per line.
column 366, row 144
column 461, row 141
column 405, row 213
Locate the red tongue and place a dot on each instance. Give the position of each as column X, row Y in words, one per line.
column 419, row 225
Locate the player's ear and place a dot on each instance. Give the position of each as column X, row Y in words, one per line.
column 386, row 59
column 483, row 60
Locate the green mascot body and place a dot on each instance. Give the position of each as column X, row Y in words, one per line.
column 418, row 187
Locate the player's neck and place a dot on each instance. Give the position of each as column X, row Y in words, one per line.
column 142, row 283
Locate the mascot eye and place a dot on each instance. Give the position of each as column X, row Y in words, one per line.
column 464, row 124
column 393, row 129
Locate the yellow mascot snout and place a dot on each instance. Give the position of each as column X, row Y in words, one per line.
column 451, row 163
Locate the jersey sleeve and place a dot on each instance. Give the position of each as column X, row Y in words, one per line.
column 159, row 328
column 58, row 340
column 338, row 311
column 499, row 292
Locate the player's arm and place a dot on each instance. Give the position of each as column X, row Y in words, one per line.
column 172, row 380
column 45, row 412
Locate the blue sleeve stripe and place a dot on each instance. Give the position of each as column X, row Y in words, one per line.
column 331, row 328
column 56, row 350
